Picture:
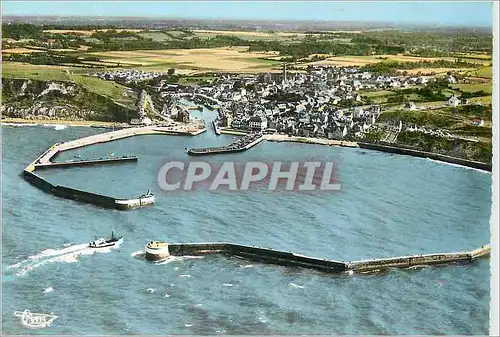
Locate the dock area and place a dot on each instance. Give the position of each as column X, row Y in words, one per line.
column 86, row 162
column 242, row 144
column 44, row 161
column 289, row 259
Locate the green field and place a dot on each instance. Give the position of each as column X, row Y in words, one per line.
column 486, row 72
column 108, row 89
column 486, row 87
column 481, row 100
column 192, row 80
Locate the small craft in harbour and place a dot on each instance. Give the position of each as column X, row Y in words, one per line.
column 102, row 243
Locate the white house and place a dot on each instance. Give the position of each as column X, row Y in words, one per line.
column 451, row 79
column 453, row 101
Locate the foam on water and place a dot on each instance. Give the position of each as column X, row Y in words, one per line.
column 139, row 252
column 48, row 290
column 69, row 254
column 176, row 259
column 457, row 165
column 293, row 285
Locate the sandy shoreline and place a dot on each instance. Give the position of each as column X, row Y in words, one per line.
column 308, row 140
column 295, row 139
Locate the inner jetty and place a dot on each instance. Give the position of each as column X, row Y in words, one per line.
column 289, row 259
column 241, row 144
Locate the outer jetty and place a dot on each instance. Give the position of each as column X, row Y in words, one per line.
column 242, row 144
column 44, row 161
column 424, row 154
column 265, row 255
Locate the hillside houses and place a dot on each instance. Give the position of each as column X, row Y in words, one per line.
column 323, row 102
column 127, row 75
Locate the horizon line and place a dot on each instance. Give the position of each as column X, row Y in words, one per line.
column 146, row 17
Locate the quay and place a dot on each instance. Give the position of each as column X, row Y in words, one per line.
column 242, row 144
column 216, row 127
column 289, row 259
column 87, row 162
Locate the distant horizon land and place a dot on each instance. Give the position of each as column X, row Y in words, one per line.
column 345, row 24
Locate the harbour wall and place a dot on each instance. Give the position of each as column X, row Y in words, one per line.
column 69, row 193
column 224, row 149
column 44, row 161
column 86, row 162
column 424, row 154
column 265, row 255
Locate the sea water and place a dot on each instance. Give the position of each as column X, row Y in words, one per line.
column 388, row 205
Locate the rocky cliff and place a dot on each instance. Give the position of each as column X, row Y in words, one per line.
column 53, row 100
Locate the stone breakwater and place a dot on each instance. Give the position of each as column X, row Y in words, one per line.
column 45, row 161
column 267, row 255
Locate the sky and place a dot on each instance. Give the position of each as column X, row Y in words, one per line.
column 444, row 13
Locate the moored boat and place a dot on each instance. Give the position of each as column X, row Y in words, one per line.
column 157, row 250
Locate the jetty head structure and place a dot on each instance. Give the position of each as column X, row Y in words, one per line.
column 159, row 250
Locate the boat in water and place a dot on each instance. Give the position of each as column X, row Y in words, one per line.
column 103, row 243
column 157, row 250
column 35, row 321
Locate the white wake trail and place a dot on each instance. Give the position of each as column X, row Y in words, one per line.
column 68, row 254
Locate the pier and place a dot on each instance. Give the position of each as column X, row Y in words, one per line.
column 242, row 144
column 289, row 259
column 86, row 162
column 44, row 161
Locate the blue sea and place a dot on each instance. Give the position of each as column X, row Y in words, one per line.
column 388, row 205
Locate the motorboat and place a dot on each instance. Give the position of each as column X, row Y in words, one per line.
column 103, row 243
